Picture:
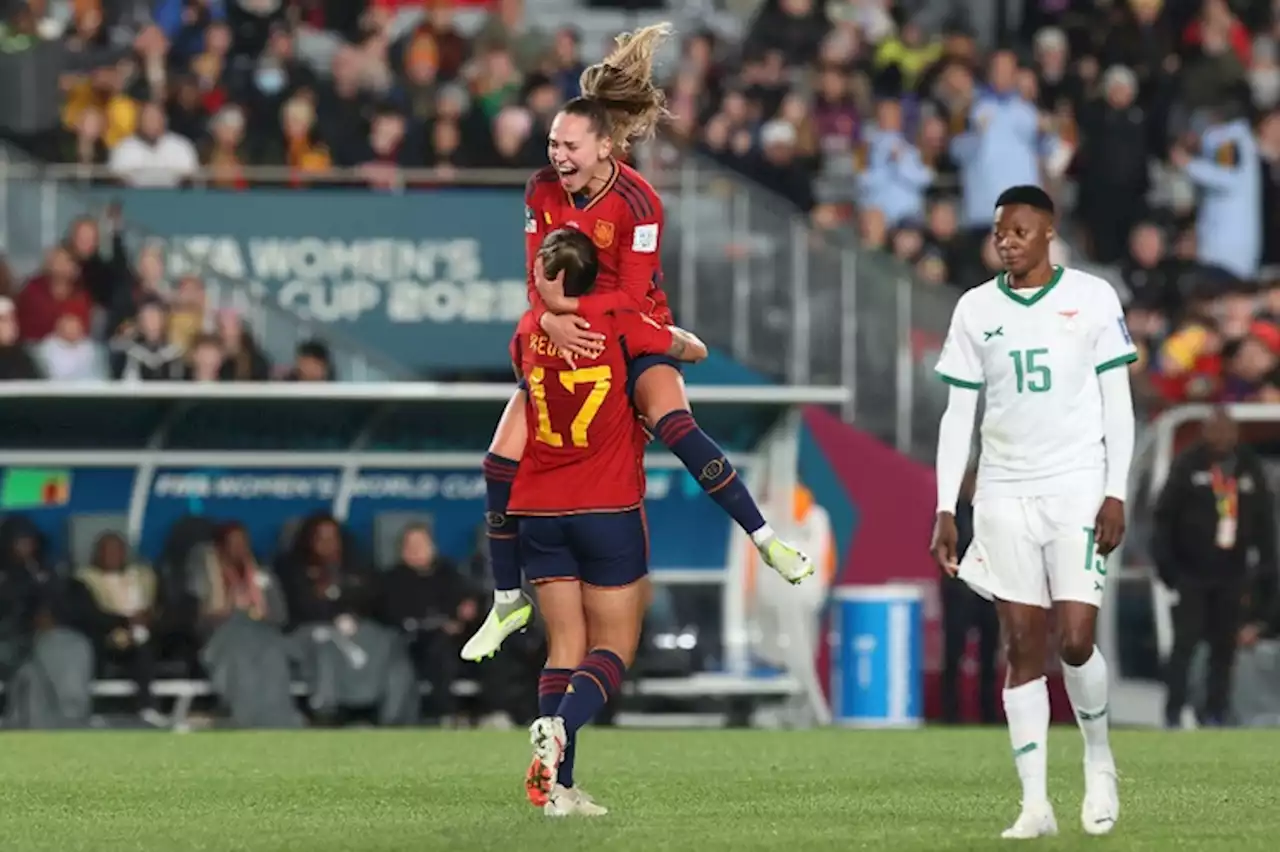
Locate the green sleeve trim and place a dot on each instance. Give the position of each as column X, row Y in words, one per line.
column 960, row 383
column 1116, row 362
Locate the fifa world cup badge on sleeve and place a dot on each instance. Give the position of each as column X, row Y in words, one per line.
column 645, row 240
column 530, row 221
column 1124, row 330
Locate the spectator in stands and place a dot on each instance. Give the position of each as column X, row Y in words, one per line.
column 312, row 363
column 51, row 293
column 205, row 359
column 426, row 597
column 114, row 602
column 1112, row 164
column 47, row 668
column 1227, row 169
column 223, row 156
column 243, row 360
column 1269, row 148
column 1003, row 144
column 141, row 351
column 100, row 276
column 188, row 313
column 240, row 613
column 15, row 361
column 348, row 661
column 154, row 156
column 69, row 354
column 895, row 178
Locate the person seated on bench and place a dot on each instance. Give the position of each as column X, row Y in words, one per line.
column 348, row 661
column 115, row 603
column 46, row 666
column 240, row 615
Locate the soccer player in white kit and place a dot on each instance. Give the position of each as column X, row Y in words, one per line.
column 1051, row 351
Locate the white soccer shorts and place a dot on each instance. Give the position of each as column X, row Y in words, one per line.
column 1035, row 550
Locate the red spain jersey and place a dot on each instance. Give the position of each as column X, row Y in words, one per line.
column 585, row 451
column 624, row 220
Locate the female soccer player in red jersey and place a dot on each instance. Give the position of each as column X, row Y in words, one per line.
column 588, row 188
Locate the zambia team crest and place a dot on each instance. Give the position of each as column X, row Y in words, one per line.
column 602, row 236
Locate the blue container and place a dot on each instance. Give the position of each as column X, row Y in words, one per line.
column 877, row 656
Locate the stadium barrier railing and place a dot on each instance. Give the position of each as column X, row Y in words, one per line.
column 743, row 268
column 127, row 454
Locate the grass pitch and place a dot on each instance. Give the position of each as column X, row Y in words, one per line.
column 705, row 791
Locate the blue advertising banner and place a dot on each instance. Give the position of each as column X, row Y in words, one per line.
column 688, row 532
column 433, row 279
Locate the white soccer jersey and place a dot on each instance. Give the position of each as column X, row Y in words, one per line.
column 1037, row 354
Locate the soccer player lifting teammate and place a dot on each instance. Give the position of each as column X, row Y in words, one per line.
column 579, row 495
column 1050, row 348
column 586, row 188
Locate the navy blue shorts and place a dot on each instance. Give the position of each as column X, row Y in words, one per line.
column 637, row 366
column 608, row 549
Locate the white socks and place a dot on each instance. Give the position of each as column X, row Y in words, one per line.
column 506, row 596
column 1027, row 709
column 761, row 536
column 1087, row 688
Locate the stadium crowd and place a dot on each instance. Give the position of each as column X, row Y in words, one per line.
column 1155, row 123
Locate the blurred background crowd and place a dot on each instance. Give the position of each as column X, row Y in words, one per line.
column 1154, row 123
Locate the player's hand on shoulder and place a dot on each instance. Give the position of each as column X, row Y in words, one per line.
column 573, row 336
column 946, row 539
column 1109, row 527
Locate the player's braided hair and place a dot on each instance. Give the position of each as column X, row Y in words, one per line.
column 623, row 85
column 570, row 251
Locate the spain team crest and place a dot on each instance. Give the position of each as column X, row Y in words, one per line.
column 602, row 236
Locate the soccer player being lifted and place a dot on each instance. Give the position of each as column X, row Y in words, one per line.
column 587, row 188
column 1050, row 349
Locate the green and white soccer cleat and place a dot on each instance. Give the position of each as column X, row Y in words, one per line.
column 789, row 561
column 501, row 622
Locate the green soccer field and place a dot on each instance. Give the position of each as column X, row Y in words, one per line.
column 702, row 791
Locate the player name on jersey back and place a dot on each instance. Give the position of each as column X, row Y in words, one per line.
column 585, row 448
column 1037, row 354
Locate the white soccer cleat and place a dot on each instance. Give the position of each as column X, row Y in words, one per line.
column 1036, row 820
column 572, row 801
column 548, row 738
column 501, row 622
column 1101, row 806
column 788, row 560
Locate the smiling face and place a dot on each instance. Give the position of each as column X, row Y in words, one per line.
column 577, row 151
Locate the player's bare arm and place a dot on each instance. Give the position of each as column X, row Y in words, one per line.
column 685, row 346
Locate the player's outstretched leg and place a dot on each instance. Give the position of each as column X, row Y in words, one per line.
column 661, row 398
column 511, row 610
column 1085, row 673
column 1026, row 707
